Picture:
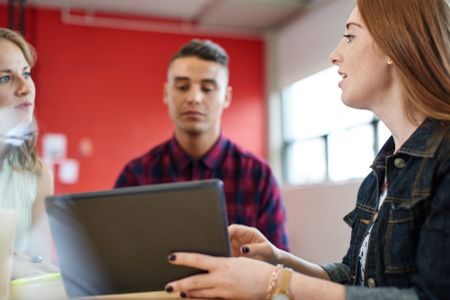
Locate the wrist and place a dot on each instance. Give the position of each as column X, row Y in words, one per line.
column 279, row 284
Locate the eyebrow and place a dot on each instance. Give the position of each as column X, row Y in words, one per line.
column 347, row 26
column 181, row 78
column 184, row 78
column 10, row 71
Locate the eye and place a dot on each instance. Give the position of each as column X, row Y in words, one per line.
column 4, row 79
column 182, row 87
column 208, row 88
column 26, row 74
column 349, row 37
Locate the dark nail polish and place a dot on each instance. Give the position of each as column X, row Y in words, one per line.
column 183, row 295
column 169, row 289
column 245, row 250
column 172, row 257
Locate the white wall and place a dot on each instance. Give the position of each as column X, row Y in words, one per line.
column 295, row 51
column 316, row 230
column 303, row 47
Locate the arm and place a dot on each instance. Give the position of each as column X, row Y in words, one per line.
column 243, row 278
column 40, row 237
column 249, row 242
column 126, row 177
column 431, row 280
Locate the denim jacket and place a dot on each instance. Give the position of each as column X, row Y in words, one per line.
column 409, row 248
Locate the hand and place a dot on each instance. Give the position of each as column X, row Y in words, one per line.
column 24, row 267
column 227, row 278
column 250, row 242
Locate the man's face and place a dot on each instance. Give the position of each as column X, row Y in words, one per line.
column 196, row 93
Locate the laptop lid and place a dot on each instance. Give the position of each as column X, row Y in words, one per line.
column 117, row 241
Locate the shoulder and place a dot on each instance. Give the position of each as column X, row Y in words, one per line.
column 443, row 152
column 44, row 179
column 151, row 157
column 247, row 158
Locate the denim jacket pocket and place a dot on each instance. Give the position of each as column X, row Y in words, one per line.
column 402, row 235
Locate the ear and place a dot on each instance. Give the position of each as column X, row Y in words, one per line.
column 165, row 92
column 228, row 96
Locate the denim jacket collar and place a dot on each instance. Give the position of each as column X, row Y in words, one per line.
column 422, row 143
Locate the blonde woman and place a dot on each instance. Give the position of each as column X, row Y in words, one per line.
column 24, row 179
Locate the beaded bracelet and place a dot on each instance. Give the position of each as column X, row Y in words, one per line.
column 273, row 281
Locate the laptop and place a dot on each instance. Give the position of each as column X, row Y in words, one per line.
column 118, row 241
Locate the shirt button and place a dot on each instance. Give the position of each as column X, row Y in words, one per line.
column 399, row 162
column 371, row 283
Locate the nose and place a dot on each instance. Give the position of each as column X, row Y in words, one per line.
column 335, row 57
column 23, row 86
column 195, row 95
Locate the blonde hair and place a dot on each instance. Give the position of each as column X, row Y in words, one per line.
column 22, row 157
column 415, row 34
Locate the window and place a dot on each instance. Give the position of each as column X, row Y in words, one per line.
column 324, row 140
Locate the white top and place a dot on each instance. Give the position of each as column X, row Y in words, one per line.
column 18, row 191
column 362, row 259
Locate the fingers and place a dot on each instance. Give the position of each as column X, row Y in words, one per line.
column 194, row 260
column 234, row 229
column 193, row 284
column 245, row 234
column 49, row 268
column 263, row 249
column 203, row 294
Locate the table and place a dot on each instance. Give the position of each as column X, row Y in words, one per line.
column 54, row 290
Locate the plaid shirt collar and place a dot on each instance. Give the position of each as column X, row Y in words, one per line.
column 212, row 159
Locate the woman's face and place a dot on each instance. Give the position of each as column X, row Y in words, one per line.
column 17, row 90
column 366, row 74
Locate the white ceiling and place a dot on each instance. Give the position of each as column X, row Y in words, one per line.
column 251, row 16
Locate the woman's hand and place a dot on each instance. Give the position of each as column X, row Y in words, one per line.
column 250, row 242
column 226, row 278
column 24, row 267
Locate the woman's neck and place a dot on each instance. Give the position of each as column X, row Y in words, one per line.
column 400, row 126
column 390, row 110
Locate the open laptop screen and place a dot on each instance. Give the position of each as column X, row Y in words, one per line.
column 117, row 241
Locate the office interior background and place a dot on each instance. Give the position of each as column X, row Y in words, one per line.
column 101, row 69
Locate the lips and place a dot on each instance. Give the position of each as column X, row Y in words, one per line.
column 24, row 105
column 192, row 113
column 343, row 75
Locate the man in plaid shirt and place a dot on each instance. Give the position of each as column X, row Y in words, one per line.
column 196, row 94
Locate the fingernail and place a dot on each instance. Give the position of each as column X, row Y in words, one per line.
column 172, row 257
column 245, row 250
column 169, row 289
column 183, row 295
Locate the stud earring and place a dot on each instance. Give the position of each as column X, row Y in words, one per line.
column 389, row 61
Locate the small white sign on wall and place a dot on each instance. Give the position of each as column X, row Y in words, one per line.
column 54, row 147
column 68, row 171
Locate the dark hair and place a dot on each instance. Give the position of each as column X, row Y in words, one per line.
column 203, row 49
column 415, row 34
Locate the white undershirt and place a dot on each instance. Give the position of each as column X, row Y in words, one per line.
column 365, row 245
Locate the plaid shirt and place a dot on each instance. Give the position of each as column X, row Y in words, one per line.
column 252, row 194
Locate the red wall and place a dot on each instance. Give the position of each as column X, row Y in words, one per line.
column 107, row 84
